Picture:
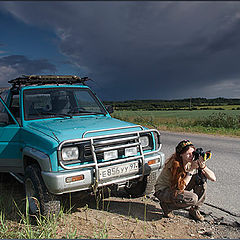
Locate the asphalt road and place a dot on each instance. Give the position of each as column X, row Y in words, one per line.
column 225, row 162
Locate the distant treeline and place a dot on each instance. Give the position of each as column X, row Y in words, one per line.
column 176, row 104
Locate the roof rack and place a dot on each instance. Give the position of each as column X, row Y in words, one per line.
column 47, row 79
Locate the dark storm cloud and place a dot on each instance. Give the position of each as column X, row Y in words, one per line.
column 146, row 49
column 15, row 65
column 22, row 63
column 227, row 39
column 1, row 45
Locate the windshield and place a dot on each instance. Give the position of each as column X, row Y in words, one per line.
column 60, row 102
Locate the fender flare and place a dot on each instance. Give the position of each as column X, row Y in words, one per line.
column 41, row 157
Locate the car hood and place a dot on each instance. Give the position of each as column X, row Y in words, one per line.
column 74, row 128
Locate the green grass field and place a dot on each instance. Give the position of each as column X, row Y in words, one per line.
column 223, row 122
column 183, row 114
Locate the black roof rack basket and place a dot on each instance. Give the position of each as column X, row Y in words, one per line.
column 47, row 79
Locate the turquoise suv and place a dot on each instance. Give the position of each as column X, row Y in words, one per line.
column 57, row 137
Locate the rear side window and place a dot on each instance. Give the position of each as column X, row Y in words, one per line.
column 14, row 106
column 3, row 95
column 6, row 118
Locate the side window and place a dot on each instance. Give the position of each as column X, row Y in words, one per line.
column 3, row 95
column 2, row 108
column 5, row 117
column 14, row 106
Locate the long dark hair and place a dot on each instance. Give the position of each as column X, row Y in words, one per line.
column 177, row 169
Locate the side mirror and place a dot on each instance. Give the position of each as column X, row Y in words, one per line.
column 4, row 119
column 110, row 108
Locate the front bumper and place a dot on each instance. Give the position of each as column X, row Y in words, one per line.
column 57, row 183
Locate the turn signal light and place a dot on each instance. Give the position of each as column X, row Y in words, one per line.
column 74, row 179
column 150, row 162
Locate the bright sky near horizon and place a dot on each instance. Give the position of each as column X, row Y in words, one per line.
column 131, row 49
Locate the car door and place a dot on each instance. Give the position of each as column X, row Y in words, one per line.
column 10, row 155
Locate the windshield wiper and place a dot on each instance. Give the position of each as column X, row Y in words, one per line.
column 56, row 114
column 91, row 113
column 82, row 111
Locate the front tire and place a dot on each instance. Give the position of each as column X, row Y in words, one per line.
column 40, row 201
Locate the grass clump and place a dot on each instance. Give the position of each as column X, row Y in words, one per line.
column 17, row 223
column 220, row 120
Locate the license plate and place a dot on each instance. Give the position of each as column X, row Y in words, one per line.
column 118, row 170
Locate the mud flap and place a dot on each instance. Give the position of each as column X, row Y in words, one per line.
column 151, row 180
column 146, row 169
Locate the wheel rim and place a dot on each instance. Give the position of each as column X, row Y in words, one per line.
column 31, row 196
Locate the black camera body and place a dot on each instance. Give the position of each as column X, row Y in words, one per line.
column 199, row 152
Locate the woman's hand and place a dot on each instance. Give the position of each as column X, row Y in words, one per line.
column 205, row 170
column 191, row 166
column 194, row 164
column 201, row 163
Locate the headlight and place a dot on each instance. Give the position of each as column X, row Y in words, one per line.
column 144, row 141
column 70, row 153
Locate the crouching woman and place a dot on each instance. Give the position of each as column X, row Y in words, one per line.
column 180, row 175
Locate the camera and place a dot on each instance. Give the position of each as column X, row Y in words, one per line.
column 199, row 152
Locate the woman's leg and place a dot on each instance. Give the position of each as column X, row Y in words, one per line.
column 169, row 201
column 199, row 186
